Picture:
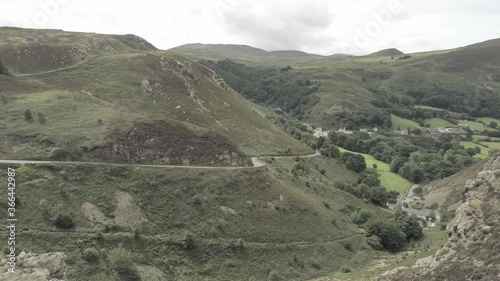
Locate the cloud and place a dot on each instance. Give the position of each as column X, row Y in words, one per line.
column 323, row 27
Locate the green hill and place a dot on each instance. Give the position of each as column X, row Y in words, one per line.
column 120, row 100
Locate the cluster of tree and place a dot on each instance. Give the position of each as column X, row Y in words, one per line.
column 418, row 158
column 368, row 187
column 395, row 233
column 364, row 118
column 280, row 88
column 294, row 128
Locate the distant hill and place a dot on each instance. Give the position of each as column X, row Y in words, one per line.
column 243, row 53
column 388, row 53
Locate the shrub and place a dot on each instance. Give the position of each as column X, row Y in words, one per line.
column 121, row 262
column 374, row 242
column 28, row 116
column 64, row 221
column 361, row 216
column 91, row 255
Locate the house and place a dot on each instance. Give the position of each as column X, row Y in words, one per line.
column 318, row 132
column 440, row 130
column 363, row 130
column 402, row 132
column 463, row 124
column 410, row 211
column 344, row 131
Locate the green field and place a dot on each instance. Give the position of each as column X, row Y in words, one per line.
column 484, row 150
column 480, row 127
column 389, row 180
column 403, row 124
column 493, row 145
column 489, row 120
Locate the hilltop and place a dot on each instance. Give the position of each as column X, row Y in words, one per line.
column 387, row 53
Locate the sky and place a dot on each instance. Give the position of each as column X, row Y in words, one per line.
column 355, row 27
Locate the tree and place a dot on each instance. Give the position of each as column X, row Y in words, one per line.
column 28, row 116
column 493, row 124
column 418, row 190
column 391, row 237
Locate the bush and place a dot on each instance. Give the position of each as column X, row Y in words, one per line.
column 361, row 217
column 121, row 262
column 64, row 221
column 91, row 255
column 374, row 242
column 28, row 116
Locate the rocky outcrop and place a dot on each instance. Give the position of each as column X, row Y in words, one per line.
column 170, row 144
column 472, row 251
column 35, row 267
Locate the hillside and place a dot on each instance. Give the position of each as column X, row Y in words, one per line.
column 471, row 252
column 88, row 110
column 144, row 119
column 462, row 80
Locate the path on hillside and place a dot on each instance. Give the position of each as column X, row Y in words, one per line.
column 257, row 163
column 163, row 236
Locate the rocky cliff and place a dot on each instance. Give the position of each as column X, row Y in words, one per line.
column 473, row 248
column 35, row 267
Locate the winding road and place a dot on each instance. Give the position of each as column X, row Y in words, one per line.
column 256, row 161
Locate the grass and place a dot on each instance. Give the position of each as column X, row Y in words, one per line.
column 484, row 150
column 493, row 145
column 438, row 122
column 480, row 127
column 389, row 180
column 284, row 225
column 432, row 241
column 403, row 124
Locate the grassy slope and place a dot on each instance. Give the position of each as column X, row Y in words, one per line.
column 285, row 226
column 389, row 180
column 403, row 123
column 73, row 100
column 347, row 83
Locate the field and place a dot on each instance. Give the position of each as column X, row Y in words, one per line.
column 484, row 150
column 480, row 127
column 404, row 124
column 493, row 145
column 389, row 180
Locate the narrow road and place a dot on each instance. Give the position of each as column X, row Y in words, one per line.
column 257, row 163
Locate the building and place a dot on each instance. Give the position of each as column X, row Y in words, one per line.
column 344, row 131
column 440, row 130
column 318, row 132
column 402, row 132
column 410, row 211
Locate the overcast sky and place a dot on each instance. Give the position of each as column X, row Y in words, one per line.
column 322, row 27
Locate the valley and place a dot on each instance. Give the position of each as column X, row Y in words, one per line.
column 201, row 162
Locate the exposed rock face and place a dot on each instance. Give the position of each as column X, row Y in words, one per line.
column 170, row 144
column 35, row 267
column 473, row 248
